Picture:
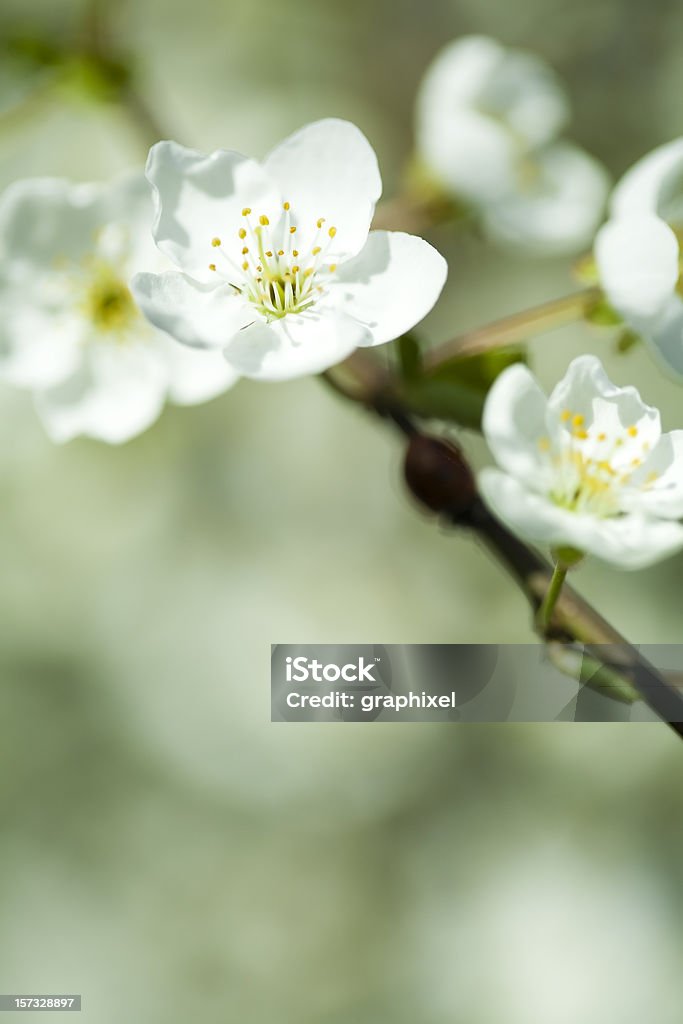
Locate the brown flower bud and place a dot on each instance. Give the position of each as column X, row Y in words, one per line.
column 439, row 477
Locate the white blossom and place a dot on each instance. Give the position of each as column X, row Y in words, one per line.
column 70, row 331
column 488, row 129
column 277, row 268
column 587, row 469
column 638, row 253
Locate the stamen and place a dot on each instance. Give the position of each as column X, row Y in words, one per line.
column 278, row 280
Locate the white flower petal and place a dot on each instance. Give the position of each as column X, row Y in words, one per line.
column 199, row 198
column 328, row 169
column 472, row 155
column 126, row 214
column 514, row 425
column 117, row 392
column 637, row 259
column 43, row 220
column 664, row 335
column 652, row 185
column 657, row 486
column 513, row 87
column 39, row 346
column 557, row 205
column 620, row 413
column 391, row 285
column 294, row 346
column 194, row 375
column 628, row 542
column 196, row 314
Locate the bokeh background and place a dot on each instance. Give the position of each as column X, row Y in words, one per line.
column 167, row 851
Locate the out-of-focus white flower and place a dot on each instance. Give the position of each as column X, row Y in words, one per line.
column 638, row 253
column 488, row 122
column 588, row 468
column 70, row 330
column 278, row 268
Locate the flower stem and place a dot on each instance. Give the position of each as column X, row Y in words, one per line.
column 545, row 612
column 515, row 328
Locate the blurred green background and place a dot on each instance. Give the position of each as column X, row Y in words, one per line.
column 167, row 851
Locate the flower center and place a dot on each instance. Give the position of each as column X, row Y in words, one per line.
column 108, row 303
column 265, row 265
column 591, row 469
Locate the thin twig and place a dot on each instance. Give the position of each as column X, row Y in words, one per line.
column 516, row 328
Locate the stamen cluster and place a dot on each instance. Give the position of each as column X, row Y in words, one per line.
column 275, row 276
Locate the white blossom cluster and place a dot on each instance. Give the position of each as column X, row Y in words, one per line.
column 210, row 268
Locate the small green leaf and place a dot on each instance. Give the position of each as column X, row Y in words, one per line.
column 627, row 340
column 602, row 314
column 409, row 356
column 457, row 390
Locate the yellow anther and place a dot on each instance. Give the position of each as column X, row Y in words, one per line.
column 242, row 233
column 245, row 265
column 633, row 431
column 651, row 477
column 332, row 232
column 215, row 242
column 565, row 415
column 295, row 253
column 602, row 437
column 292, row 231
column 295, row 269
column 269, row 254
column 285, row 206
column 263, row 220
column 578, row 420
column 316, row 250
column 332, row 267
column 307, row 273
column 245, row 250
column 320, row 222
column 246, row 211
column 581, row 434
column 281, row 252
column 636, row 462
column 212, row 266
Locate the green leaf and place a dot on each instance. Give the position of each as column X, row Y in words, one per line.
column 409, row 356
column 602, row 314
column 457, row 390
column 627, row 340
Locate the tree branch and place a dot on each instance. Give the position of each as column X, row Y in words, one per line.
column 442, row 480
